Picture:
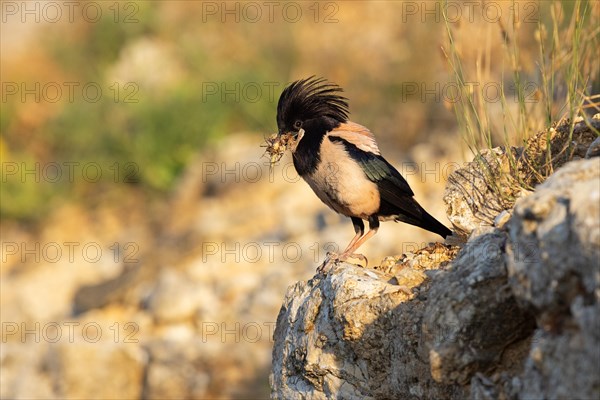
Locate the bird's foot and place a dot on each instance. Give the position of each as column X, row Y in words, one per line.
column 333, row 258
column 330, row 260
column 357, row 256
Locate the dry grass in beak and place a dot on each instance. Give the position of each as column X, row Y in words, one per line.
column 276, row 146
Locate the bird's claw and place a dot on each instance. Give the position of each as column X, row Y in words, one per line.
column 333, row 258
column 330, row 260
column 360, row 257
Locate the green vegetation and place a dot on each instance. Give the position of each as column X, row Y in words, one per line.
column 155, row 112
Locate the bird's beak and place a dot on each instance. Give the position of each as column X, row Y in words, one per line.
column 290, row 138
column 294, row 135
column 284, row 133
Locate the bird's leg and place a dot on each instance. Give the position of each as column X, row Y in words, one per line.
column 349, row 252
column 359, row 228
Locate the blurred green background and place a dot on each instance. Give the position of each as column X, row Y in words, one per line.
column 158, row 65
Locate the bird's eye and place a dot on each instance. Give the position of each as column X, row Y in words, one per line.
column 298, row 124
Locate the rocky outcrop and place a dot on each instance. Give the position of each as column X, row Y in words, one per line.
column 356, row 333
column 512, row 314
column 472, row 318
column 554, row 269
column 482, row 190
column 488, row 187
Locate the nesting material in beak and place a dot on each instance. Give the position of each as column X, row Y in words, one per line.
column 277, row 145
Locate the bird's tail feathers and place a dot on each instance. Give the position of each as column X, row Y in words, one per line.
column 435, row 226
column 427, row 222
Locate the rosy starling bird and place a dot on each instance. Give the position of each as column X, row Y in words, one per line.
column 341, row 162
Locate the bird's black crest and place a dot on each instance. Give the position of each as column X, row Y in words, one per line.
column 311, row 98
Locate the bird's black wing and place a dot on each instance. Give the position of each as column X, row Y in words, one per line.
column 392, row 186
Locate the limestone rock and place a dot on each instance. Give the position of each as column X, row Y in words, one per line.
column 353, row 335
column 549, row 150
column 484, row 188
column 490, row 184
column 555, row 240
column 554, row 270
column 565, row 364
column 471, row 315
column 515, row 315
